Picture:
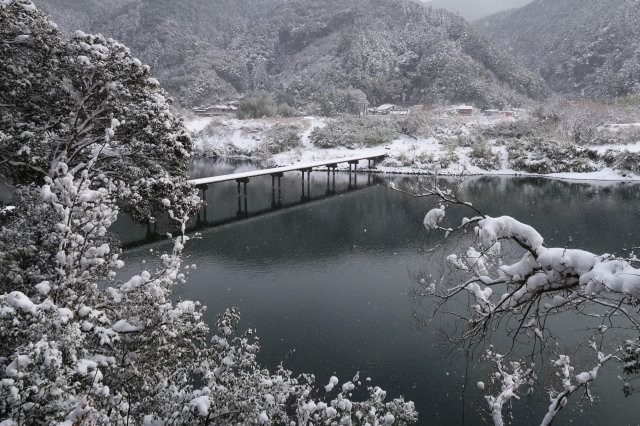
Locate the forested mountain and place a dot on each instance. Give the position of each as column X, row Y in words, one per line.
column 589, row 47
column 302, row 50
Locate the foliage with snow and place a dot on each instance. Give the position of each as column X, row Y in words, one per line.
column 86, row 100
column 354, row 132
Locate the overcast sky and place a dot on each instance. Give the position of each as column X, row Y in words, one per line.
column 474, row 9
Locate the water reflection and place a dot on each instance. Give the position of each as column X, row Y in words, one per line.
column 207, row 167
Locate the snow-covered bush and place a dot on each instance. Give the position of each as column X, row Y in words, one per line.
column 286, row 110
column 620, row 134
column 579, row 122
column 551, row 157
column 513, row 129
column 481, row 155
column 624, row 161
column 281, row 138
column 412, row 157
column 354, row 132
column 416, row 124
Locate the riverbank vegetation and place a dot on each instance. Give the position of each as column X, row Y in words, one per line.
column 354, row 132
column 551, row 136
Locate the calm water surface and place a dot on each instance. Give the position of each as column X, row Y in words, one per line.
column 326, row 284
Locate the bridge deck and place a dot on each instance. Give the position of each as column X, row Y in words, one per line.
column 295, row 167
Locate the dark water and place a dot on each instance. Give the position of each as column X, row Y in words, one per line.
column 326, row 284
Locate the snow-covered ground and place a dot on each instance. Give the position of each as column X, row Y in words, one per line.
column 229, row 137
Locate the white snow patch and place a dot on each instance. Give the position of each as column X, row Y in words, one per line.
column 333, row 381
column 197, row 124
column 202, row 404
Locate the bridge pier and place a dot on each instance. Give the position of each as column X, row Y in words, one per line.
column 355, row 173
column 331, row 168
column 240, row 213
column 203, row 188
column 334, row 178
column 273, row 189
column 306, row 196
column 328, row 173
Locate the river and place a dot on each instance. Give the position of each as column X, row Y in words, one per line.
column 327, row 284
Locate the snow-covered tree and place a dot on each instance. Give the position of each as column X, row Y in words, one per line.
column 86, row 132
column 69, row 101
column 504, row 279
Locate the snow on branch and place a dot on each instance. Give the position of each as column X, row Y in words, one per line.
column 510, row 376
column 502, row 277
column 571, row 383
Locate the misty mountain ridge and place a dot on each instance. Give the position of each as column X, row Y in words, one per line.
column 586, row 47
column 301, row 50
column 476, row 9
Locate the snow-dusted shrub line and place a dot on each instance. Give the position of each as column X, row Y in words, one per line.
column 354, row 132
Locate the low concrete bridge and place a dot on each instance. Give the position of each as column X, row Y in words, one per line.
column 134, row 238
column 277, row 172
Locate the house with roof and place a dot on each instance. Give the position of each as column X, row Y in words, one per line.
column 464, row 110
column 220, row 109
column 388, row 109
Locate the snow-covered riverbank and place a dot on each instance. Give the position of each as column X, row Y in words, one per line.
column 451, row 146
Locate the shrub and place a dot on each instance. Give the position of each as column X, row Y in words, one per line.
column 413, row 125
column 354, row 132
column 511, row 129
column 551, row 157
column 481, row 155
column 448, row 158
column 616, row 135
column 286, row 110
column 626, row 161
column 280, row 138
column 256, row 105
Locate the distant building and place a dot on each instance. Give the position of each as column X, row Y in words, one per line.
column 388, row 109
column 464, row 110
column 215, row 110
column 499, row 114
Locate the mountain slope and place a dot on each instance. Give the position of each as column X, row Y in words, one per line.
column 300, row 50
column 578, row 46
